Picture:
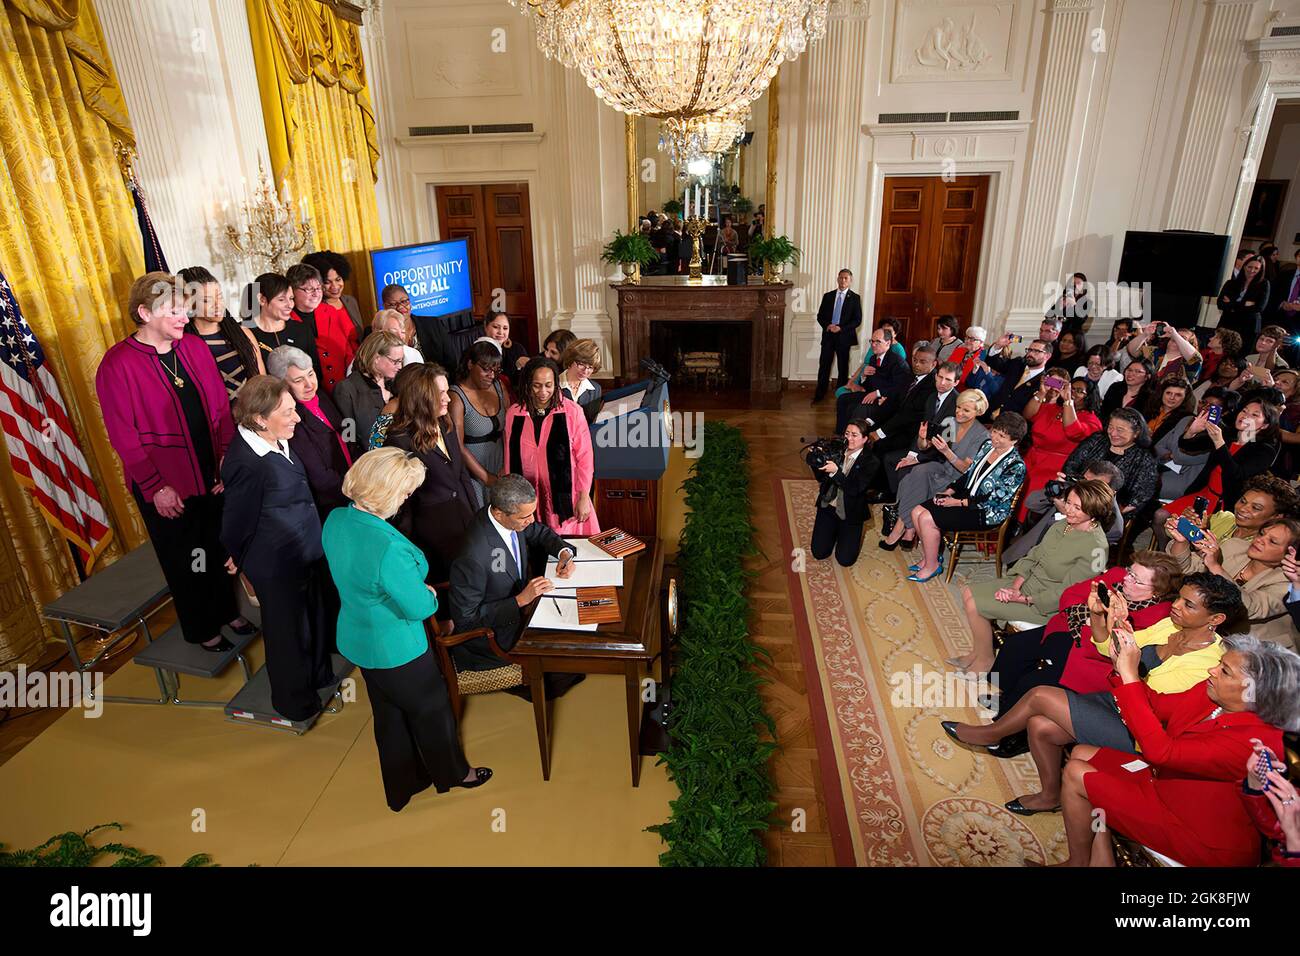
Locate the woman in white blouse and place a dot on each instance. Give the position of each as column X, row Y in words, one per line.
column 580, row 361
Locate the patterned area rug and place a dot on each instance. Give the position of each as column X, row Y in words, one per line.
column 874, row 646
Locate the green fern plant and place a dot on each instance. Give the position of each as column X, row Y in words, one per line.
column 722, row 738
column 75, row 849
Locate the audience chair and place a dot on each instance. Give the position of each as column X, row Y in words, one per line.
column 462, row 684
column 994, row 538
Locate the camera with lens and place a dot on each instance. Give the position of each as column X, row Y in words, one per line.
column 822, row 450
column 1056, row 488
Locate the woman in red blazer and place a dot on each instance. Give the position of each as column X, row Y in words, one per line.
column 1182, row 801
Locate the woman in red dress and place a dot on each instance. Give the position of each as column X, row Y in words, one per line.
column 548, row 441
column 1180, row 798
column 1057, row 423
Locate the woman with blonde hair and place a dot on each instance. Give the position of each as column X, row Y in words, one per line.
column 401, row 325
column 580, row 361
column 362, row 395
column 385, row 602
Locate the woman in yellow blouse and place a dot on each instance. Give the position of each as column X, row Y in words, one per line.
column 1176, row 655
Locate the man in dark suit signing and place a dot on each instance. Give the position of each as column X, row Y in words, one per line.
column 490, row 583
column 840, row 316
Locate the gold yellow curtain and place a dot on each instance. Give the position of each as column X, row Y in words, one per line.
column 69, row 246
column 319, row 123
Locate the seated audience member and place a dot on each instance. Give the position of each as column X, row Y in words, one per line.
column 1287, row 382
column 402, row 326
column 548, row 441
column 1185, row 805
column 555, row 344
column 907, row 410
column 1242, row 299
column 434, row 341
column 1263, row 498
column 979, row 501
column 969, row 356
column 1174, row 656
column 898, row 348
column 379, row 430
column 1020, row 377
column 514, row 356
column 438, row 514
column 937, row 462
column 233, row 347
column 1181, row 458
column 1229, row 370
column 841, row 501
column 931, row 397
column 272, row 531
column 269, row 301
column 1061, row 653
column 334, row 273
column 1173, row 352
column 1049, row 332
column 380, row 578
column 1222, row 342
column 1125, row 443
column 1120, row 332
column 318, row 439
column 1266, row 357
column 1099, row 367
column 1071, row 349
column 492, row 581
column 1250, row 451
column 1058, row 419
column 478, row 413
column 1102, row 471
column 1173, row 402
column 336, row 336
column 1073, row 550
column 1272, row 806
column 167, row 415
column 1133, row 392
column 882, row 377
column 580, row 362
column 946, row 338
column 361, row 396
column 1254, row 565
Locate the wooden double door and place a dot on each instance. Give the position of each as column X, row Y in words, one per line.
column 931, row 233
column 496, row 220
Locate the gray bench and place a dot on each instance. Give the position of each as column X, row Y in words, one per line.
column 252, row 705
column 171, row 656
column 115, row 601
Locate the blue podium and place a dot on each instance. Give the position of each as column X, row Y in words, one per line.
column 630, row 439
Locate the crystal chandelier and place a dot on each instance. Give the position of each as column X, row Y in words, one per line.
column 676, row 59
column 270, row 234
column 689, row 139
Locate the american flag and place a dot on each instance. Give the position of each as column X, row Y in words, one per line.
column 41, row 440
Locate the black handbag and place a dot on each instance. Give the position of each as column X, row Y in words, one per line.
column 888, row 518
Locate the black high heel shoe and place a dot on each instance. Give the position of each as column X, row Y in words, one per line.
column 481, row 776
column 883, row 545
column 245, row 629
column 1015, row 806
column 950, row 728
column 220, row 647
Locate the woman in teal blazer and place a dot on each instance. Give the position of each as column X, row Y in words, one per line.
column 380, row 578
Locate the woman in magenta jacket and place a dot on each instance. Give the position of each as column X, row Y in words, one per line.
column 168, row 418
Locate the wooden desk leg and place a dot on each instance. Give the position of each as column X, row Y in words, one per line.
column 633, row 678
column 537, row 685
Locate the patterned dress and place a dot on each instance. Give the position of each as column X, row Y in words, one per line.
column 483, row 437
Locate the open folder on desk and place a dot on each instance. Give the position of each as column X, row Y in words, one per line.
column 559, row 609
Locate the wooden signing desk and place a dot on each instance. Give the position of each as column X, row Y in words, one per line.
column 626, row 647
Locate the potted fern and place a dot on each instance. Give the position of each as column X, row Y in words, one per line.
column 772, row 253
column 631, row 251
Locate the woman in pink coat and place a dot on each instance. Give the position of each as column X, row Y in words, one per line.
column 547, row 440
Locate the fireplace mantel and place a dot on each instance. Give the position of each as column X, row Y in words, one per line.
column 677, row 299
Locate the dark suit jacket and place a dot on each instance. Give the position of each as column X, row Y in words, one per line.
column 433, row 339
column 902, row 425
column 850, row 317
column 269, row 522
column 1252, row 458
column 483, row 587
column 437, row 516
column 317, row 447
column 854, row 486
column 893, row 376
column 1011, row 398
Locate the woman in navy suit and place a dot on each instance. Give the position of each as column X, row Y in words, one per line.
column 841, row 501
column 272, row 530
column 980, row 500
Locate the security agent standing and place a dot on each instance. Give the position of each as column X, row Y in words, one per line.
column 840, row 316
column 841, row 503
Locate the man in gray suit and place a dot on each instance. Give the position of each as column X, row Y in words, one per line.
column 490, row 582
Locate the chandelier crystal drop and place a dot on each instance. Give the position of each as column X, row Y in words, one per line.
column 684, row 140
column 676, row 59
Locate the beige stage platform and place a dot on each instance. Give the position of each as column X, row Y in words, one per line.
column 273, row 799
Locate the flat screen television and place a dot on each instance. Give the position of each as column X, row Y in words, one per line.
column 1176, row 262
column 436, row 275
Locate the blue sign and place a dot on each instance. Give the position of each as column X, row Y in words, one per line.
column 435, row 275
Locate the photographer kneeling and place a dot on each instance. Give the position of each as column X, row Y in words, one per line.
column 841, row 503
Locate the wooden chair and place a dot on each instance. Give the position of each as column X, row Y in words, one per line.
column 996, row 538
column 462, row 684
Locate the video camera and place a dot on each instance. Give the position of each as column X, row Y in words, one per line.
column 1056, row 488
column 822, row 450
